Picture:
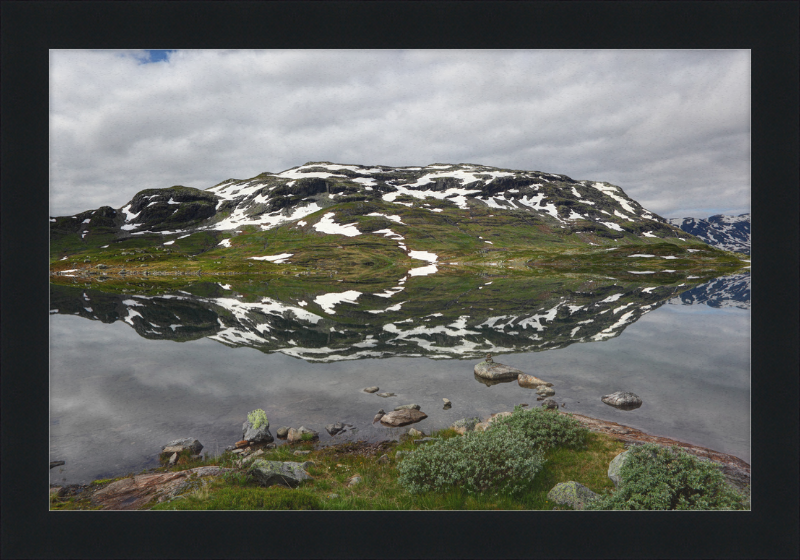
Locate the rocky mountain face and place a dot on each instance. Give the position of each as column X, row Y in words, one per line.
column 731, row 233
column 299, row 194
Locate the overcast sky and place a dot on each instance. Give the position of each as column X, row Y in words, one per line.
column 672, row 128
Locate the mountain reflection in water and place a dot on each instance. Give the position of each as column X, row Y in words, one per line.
column 461, row 318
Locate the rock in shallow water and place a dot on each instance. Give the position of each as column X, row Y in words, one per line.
column 623, row 400
column 371, row 389
column 550, row 403
column 531, row 382
column 543, row 391
column 402, row 417
column 496, row 372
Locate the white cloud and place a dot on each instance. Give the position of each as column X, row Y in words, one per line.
column 672, row 128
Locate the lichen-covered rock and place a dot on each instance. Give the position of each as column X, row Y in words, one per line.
column 496, row 372
column 623, row 400
column 615, row 466
column 573, row 494
column 403, row 417
column 531, row 382
column 256, row 435
column 284, row 473
column 465, row 425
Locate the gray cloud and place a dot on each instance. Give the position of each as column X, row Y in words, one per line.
column 672, row 128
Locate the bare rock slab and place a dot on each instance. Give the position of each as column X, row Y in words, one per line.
column 496, row 372
column 402, row 417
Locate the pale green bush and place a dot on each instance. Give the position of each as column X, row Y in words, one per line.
column 544, row 429
column 657, row 478
column 257, row 418
column 497, row 459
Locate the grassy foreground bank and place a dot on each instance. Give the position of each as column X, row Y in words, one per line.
column 451, row 474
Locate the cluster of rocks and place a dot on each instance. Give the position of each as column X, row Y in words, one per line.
column 173, row 449
column 490, row 373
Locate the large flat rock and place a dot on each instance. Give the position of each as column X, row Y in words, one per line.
column 496, row 372
column 402, row 417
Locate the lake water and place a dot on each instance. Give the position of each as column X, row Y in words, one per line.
column 130, row 372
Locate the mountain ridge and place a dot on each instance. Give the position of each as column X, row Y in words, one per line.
column 731, row 233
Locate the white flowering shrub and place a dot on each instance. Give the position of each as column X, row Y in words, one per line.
column 257, row 418
column 499, row 460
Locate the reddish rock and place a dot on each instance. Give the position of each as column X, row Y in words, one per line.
column 140, row 490
column 242, row 443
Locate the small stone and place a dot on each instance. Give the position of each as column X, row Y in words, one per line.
column 371, row 389
column 386, row 395
column 377, row 417
column 241, row 444
column 447, row 406
column 282, row 432
column 355, row 479
column 334, row 429
column 413, row 432
column 297, row 435
column 446, row 401
column 539, row 398
column 615, row 466
column 173, row 459
column 550, row 403
column 545, row 391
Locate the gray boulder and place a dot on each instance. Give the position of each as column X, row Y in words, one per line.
column 282, row 432
column 402, row 417
column 370, row 389
column 573, row 494
column 496, row 372
column 181, row 445
column 615, row 466
column 256, row 435
column 623, row 400
column 284, row 473
column 337, row 428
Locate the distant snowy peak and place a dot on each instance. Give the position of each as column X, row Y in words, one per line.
column 731, row 233
column 271, row 199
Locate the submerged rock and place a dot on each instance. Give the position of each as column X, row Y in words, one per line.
column 531, row 382
column 402, row 417
column 407, row 406
column 496, row 372
column 623, row 400
column 573, row 494
column 385, row 395
column 371, row 389
column 543, row 391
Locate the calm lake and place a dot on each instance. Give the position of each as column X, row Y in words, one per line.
column 130, row 372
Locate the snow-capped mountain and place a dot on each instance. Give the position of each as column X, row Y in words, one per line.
column 731, row 233
column 272, row 199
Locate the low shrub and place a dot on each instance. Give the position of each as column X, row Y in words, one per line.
column 544, row 429
column 257, row 418
column 497, row 459
column 657, row 478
